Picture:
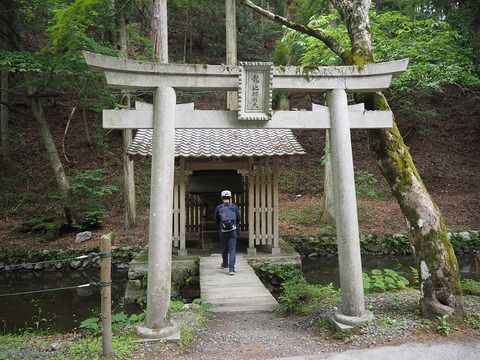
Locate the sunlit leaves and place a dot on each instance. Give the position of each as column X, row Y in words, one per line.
column 438, row 53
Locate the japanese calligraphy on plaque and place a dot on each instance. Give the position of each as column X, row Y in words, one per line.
column 255, row 91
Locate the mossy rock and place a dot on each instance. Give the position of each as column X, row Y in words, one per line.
column 48, row 228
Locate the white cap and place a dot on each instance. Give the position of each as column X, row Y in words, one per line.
column 226, row 193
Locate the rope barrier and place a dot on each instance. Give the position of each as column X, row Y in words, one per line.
column 92, row 284
column 81, row 257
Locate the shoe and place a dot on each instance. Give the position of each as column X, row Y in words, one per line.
column 231, row 272
column 223, row 267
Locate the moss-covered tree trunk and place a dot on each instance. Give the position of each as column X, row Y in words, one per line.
column 435, row 258
column 438, row 268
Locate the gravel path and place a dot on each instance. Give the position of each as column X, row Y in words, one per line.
column 268, row 335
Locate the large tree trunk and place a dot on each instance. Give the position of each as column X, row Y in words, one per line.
column 439, row 276
column 55, row 162
column 128, row 165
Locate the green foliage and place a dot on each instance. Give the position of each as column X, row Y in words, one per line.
column 365, row 184
column 302, row 216
column 444, row 327
column 383, row 281
column 88, row 183
column 176, row 306
column 470, row 287
column 54, row 74
column 465, row 241
column 91, row 348
column 187, row 335
column 472, row 319
column 415, row 276
column 385, row 321
column 143, row 44
column 48, row 228
column 392, row 244
column 72, row 28
column 92, row 325
column 300, row 297
column 279, row 275
column 90, row 191
column 119, row 322
column 437, row 52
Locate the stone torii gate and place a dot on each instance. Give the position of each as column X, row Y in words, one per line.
column 255, row 82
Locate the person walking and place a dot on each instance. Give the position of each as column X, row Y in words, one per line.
column 227, row 217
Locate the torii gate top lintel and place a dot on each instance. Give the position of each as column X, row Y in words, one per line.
column 126, row 73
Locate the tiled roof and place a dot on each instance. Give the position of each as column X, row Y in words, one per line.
column 223, row 143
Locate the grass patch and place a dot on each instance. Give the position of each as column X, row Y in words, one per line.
column 187, row 336
column 470, row 287
column 301, row 215
column 300, row 297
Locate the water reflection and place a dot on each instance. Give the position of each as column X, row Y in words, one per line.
column 324, row 270
column 57, row 310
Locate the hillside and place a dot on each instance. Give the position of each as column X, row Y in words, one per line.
column 444, row 142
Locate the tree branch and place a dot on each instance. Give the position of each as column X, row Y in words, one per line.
column 328, row 40
column 15, row 110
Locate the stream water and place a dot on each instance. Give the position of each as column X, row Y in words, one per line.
column 64, row 310
column 61, row 310
column 324, row 270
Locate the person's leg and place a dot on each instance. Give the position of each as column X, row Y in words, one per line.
column 232, row 250
column 224, row 247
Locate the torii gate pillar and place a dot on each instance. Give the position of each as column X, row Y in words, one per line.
column 157, row 324
column 352, row 311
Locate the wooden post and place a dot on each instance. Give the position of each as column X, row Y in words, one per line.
column 276, row 245
column 183, row 248
column 105, row 293
column 251, row 206
column 263, row 203
column 258, row 234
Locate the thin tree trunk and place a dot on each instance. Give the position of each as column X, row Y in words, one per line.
column 128, row 164
column 160, row 31
column 231, row 47
column 55, row 162
column 85, row 125
column 4, row 128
